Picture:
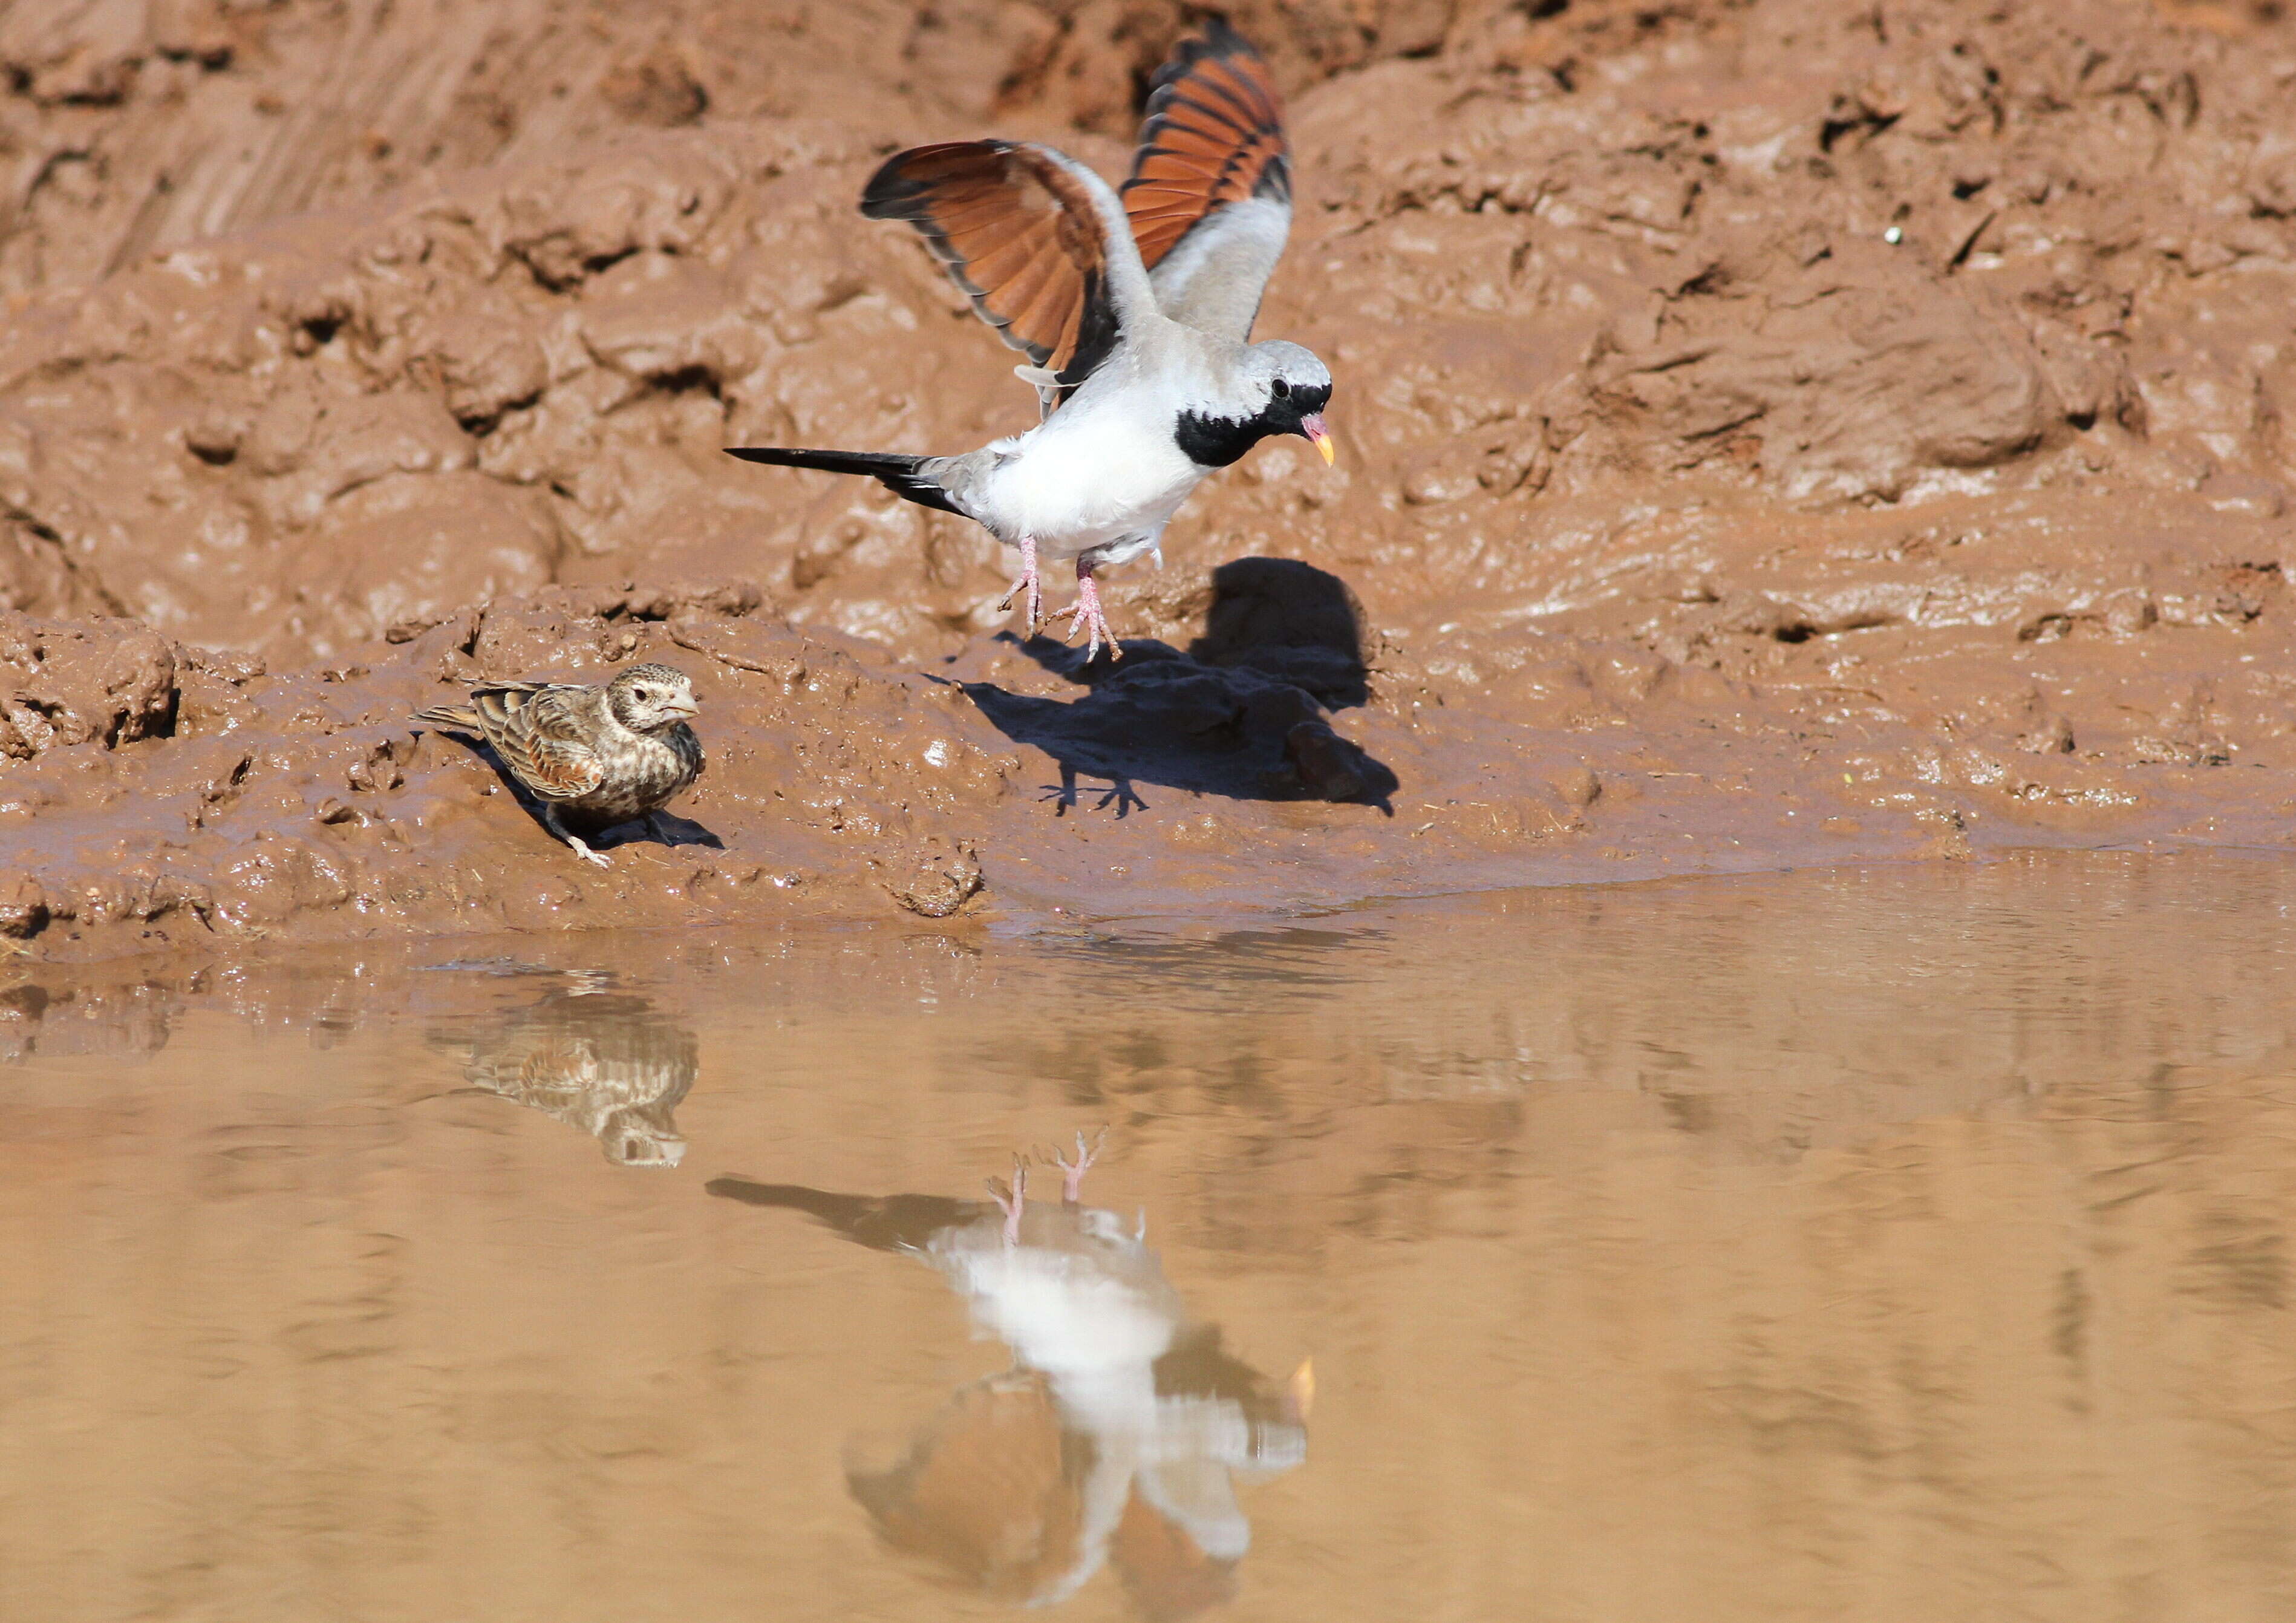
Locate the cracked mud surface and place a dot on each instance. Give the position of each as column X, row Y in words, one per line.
column 1771, row 433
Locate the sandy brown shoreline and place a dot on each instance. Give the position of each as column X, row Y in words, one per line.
column 1773, row 435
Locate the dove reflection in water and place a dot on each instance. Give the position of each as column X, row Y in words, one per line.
column 602, row 1061
column 1119, row 1434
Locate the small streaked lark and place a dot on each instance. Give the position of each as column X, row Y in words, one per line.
column 591, row 756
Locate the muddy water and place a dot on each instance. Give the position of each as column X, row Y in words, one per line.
column 1895, row 1245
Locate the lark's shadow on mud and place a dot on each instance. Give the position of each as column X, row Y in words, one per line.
column 1242, row 713
column 674, row 830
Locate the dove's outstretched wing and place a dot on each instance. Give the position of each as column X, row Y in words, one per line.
column 1035, row 239
column 1210, row 195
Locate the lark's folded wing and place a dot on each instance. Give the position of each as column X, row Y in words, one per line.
column 1210, row 194
column 1036, row 240
column 535, row 730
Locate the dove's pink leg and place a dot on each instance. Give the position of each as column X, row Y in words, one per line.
column 1027, row 583
column 1086, row 610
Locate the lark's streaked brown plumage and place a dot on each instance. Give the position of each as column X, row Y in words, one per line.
column 603, row 1062
column 591, row 756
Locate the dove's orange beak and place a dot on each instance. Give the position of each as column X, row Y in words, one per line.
column 1317, row 434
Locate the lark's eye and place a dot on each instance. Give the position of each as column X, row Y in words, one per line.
column 1282, row 388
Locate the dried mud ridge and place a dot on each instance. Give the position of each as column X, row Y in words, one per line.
column 1772, row 432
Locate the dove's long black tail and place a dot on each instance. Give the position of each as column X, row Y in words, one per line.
column 894, row 469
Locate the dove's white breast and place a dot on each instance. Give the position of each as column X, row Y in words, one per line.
column 1102, row 467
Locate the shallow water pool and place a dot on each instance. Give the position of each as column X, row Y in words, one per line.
column 1909, row 1243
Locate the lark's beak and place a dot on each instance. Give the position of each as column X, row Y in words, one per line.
column 684, row 707
column 1313, row 428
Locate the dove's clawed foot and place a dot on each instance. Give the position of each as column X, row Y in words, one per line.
column 1087, row 612
column 1072, row 1171
column 1028, row 584
column 1010, row 1204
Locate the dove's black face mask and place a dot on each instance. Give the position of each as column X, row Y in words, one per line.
column 1215, row 442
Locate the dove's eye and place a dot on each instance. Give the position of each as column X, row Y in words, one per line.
column 1282, row 388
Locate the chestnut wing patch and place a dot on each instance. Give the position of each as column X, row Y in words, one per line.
column 1213, row 136
column 534, row 729
column 1020, row 235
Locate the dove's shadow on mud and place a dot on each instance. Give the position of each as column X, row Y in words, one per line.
column 1241, row 714
column 677, row 831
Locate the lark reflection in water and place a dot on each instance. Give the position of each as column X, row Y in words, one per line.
column 1117, row 1438
column 603, row 1062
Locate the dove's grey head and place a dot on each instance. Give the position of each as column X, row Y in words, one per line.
column 1279, row 388
column 648, row 697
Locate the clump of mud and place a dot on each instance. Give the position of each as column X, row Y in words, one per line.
column 1772, row 432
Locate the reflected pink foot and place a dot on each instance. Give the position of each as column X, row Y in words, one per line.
column 1011, row 1208
column 1072, row 1171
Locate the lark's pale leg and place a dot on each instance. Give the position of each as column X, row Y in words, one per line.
column 550, row 821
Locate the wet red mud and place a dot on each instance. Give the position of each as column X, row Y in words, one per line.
column 1771, row 433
